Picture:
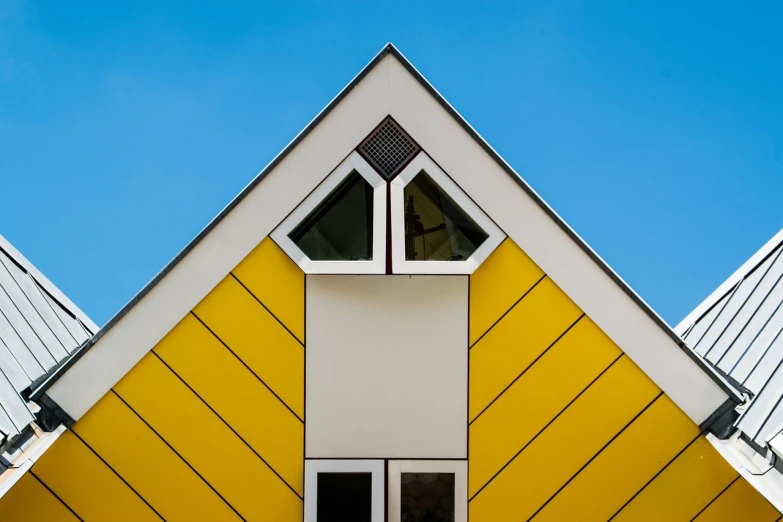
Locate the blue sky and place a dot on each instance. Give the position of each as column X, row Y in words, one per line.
column 654, row 129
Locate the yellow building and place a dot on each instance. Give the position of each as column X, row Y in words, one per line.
column 387, row 324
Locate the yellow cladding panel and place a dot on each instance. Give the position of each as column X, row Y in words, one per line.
column 531, row 402
column 148, row 465
column 29, row 500
column 497, row 284
column 237, row 396
column 258, row 339
column 740, row 502
column 683, row 488
column 275, row 280
column 87, row 485
column 566, row 445
column 515, row 342
column 207, row 443
column 625, row 466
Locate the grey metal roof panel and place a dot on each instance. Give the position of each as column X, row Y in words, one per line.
column 31, row 315
column 39, row 328
column 47, row 285
column 11, row 368
column 14, row 405
column 74, row 327
column 739, row 331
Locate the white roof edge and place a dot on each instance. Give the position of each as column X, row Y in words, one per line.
column 729, row 283
column 48, row 285
column 444, row 134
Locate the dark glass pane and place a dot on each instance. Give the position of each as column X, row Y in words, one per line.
column 340, row 228
column 344, row 497
column 436, row 229
column 427, row 497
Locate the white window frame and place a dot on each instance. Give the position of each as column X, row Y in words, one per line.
column 316, row 466
column 378, row 263
column 458, row 467
column 402, row 266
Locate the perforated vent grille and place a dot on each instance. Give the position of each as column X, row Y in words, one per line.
column 388, row 148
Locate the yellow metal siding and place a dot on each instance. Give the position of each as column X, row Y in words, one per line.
column 564, row 427
column 148, row 463
column 740, row 501
column 88, row 477
column 30, row 500
column 517, row 415
column 497, row 284
column 256, row 337
column 528, row 329
column 246, row 405
column 208, row 426
column 276, row 281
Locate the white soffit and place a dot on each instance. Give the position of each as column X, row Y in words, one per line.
column 400, row 265
column 354, row 162
column 391, row 86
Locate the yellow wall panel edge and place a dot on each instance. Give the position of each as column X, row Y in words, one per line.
column 277, row 282
column 30, row 499
column 239, row 476
column 499, row 282
column 165, row 480
column 85, row 483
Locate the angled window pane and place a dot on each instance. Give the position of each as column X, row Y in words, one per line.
column 436, row 229
column 340, row 228
column 344, row 497
column 427, row 497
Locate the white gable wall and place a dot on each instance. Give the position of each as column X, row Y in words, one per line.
column 390, row 89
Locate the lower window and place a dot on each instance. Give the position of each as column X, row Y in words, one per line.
column 428, row 490
column 354, row 490
column 344, row 490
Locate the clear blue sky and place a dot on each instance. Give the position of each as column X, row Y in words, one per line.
column 655, row 130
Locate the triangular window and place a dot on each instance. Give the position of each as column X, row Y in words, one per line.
column 436, row 228
column 340, row 227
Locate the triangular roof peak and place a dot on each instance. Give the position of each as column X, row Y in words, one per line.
column 390, row 86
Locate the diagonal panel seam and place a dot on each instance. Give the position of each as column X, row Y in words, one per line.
column 507, row 311
column 539, row 356
column 724, row 490
column 73, row 430
column 55, row 495
column 224, row 421
column 655, row 477
column 267, row 309
column 542, row 430
column 616, row 435
column 248, row 367
column 178, row 454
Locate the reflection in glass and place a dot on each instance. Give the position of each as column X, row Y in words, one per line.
column 427, row 497
column 340, row 228
column 436, row 229
column 344, row 497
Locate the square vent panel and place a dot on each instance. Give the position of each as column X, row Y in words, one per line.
column 388, row 148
